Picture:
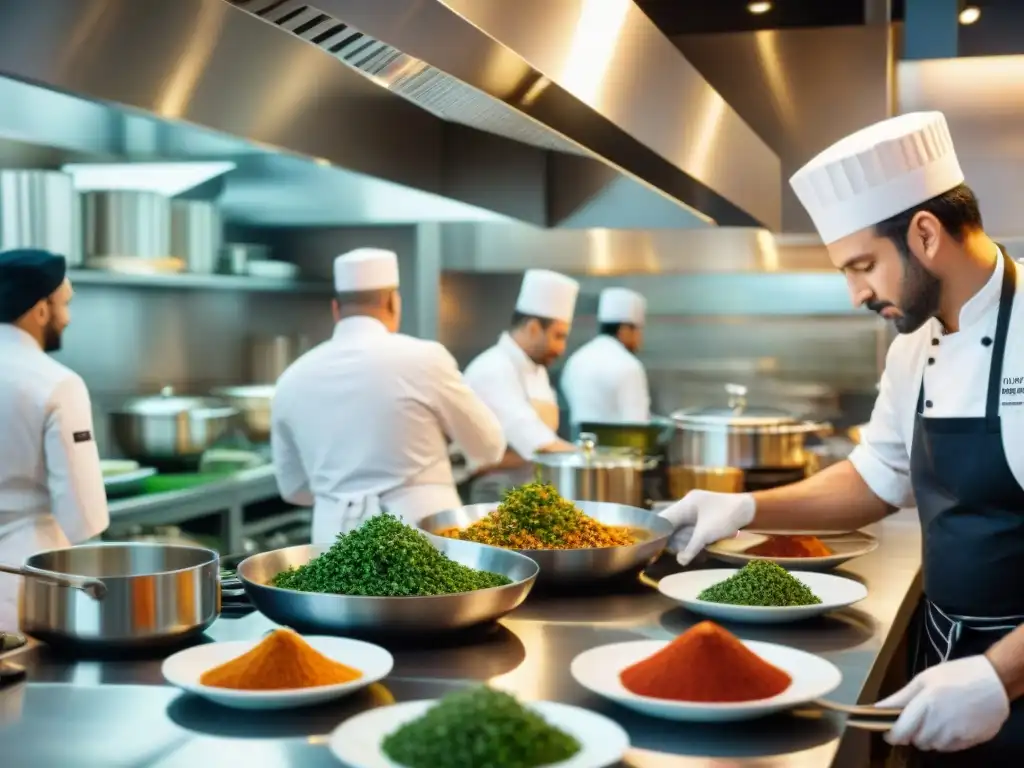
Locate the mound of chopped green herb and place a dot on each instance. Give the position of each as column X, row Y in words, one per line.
column 478, row 728
column 384, row 557
column 760, row 583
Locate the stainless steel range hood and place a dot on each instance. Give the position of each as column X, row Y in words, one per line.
column 536, row 110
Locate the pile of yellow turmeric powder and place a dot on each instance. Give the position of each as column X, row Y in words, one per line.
column 282, row 660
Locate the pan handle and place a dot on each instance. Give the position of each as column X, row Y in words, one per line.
column 95, row 588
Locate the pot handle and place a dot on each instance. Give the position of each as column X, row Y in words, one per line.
column 95, row 588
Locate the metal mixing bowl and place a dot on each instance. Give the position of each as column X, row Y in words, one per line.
column 254, row 404
column 339, row 614
column 565, row 566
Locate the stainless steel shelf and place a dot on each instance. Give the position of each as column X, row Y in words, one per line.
column 188, row 281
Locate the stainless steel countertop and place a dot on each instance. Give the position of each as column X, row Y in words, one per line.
column 237, row 489
column 118, row 713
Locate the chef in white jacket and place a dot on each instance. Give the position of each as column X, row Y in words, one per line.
column 362, row 421
column 946, row 434
column 512, row 378
column 604, row 380
column 51, row 485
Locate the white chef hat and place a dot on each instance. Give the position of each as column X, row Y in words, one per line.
column 621, row 305
column 878, row 172
column 365, row 269
column 547, row 294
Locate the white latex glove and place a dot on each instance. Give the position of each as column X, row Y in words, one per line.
column 703, row 517
column 950, row 706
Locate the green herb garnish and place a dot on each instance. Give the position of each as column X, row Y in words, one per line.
column 760, row 583
column 384, row 557
column 478, row 728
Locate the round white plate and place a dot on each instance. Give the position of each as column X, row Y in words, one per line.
column 844, row 546
column 598, row 670
column 834, row 592
column 356, row 742
column 184, row 669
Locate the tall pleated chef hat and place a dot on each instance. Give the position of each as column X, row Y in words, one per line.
column 621, row 305
column 878, row 172
column 547, row 294
column 365, row 269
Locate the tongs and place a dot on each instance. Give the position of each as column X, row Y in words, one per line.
column 866, row 718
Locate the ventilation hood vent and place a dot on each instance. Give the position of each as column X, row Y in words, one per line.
column 570, row 113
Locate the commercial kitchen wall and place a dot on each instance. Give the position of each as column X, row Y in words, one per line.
column 128, row 341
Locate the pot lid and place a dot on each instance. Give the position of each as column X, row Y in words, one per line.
column 589, row 455
column 736, row 413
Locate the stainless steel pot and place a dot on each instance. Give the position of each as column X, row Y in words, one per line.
column 594, row 473
column 196, row 234
column 41, row 209
column 742, row 437
column 253, row 402
column 270, row 356
column 168, row 428
column 123, row 223
column 155, row 594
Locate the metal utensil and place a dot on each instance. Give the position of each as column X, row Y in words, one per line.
column 170, row 428
column 253, row 402
column 564, row 566
column 596, row 473
column 156, row 594
column 341, row 614
column 95, row 588
column 859, row 710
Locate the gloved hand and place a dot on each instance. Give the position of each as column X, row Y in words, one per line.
column 703, row 517
column 950, row 706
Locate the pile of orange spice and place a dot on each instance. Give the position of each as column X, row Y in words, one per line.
column 790, row 546
column 282, row 660
column 705, row 664
column 535, row 516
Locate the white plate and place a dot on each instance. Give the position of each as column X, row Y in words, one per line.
column 844, row 546
column 356, row 742
column 834, row 592
column 598, row 670
column 184, row 669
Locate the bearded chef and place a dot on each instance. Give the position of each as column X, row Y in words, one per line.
column 512, row 378
column 51, row 484
column 361, row 423
column 947, row 431
column 604, row 380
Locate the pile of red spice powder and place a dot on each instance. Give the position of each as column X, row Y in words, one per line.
column 790, row 546
column 705, row 664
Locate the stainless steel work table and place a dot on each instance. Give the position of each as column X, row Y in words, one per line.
column 118, row 714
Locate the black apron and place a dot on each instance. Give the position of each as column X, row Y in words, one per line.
column 972, row 519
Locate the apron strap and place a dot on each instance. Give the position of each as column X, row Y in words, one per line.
column 999, row 345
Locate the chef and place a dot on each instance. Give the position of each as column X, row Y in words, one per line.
column 947, row 431
column 603, row 380
column 361, row 422
column 512, row 378
column 51, row 485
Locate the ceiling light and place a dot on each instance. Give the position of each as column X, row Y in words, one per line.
column 970, row 14
column 759, row 8
column 167, row 178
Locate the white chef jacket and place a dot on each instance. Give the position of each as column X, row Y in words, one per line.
column 604, row 381
column 956, row 371
column 51, row 484
column 507, row 380
column 361, row 421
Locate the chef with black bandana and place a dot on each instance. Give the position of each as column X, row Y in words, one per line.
column 946, row 434
column 51, row 485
